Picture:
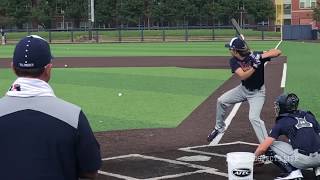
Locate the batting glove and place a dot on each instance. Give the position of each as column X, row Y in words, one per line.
column 255, row 60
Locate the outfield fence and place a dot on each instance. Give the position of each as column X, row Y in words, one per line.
column 141, row 34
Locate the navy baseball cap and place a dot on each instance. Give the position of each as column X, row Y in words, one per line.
column 237, row 44
column 32, row 52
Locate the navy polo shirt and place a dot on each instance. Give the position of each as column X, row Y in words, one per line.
column 256, row 80
column 302, row 130
column 45, row 138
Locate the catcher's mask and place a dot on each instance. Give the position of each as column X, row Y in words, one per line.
column 286, row 103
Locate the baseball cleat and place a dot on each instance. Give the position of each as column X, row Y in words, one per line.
column 295, row 175
column 212, row 135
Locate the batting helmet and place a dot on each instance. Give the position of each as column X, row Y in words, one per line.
column 286, row 103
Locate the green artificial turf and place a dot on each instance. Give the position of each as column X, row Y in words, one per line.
column 151, row 97
column 303, row 76
column 142, row 49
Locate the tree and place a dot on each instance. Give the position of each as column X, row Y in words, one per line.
column 77, row 10
column 132, row 11
column 41, row 13
column 226, row 9
column 4, row 18
column 19, row 11
column 105, row 12
column 316, row 12
column 209, row 8
column 111, row 13
column 164, row 12
column 260, row 10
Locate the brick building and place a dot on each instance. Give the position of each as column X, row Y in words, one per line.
column 298, row 12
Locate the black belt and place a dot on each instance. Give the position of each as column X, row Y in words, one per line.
column 252, row 89
column 306, row 153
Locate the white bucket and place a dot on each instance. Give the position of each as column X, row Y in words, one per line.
column 240, row 165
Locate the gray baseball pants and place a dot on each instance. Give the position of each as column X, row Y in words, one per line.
column 240, row 94
column 296, row 159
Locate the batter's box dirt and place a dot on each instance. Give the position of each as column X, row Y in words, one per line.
column 223, row 149
column 202, row 176
column 137, row 166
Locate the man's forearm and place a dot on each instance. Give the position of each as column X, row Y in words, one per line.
column 271, row 53
column 263, row 147
column 259, row 152
column 243, row 75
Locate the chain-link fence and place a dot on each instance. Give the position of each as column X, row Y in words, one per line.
column 154, row 34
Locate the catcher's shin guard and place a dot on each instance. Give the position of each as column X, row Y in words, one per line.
column 284, row 166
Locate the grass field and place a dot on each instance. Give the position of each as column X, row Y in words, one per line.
column 152, row 97
column 161, row 97
column 303, row 74
column 142, row 49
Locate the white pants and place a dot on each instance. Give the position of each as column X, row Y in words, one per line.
column 296, row 159
column 3, row 42
column 239, row 94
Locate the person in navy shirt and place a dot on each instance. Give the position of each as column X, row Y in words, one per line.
column 42, row 137
column 303, row 132
column 249, row 67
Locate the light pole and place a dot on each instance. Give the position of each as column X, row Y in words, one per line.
column 90, row 16
column 62, row 12
column 242, row 11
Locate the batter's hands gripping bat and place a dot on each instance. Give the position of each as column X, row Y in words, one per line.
column 255, row 58
column 238, row 30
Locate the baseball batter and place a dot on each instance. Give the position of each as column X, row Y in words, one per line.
column 302, row 130
column 250, row 69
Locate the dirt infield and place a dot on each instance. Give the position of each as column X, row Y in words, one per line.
column 155, row 153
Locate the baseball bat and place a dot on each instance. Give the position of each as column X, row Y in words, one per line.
column 238, row 30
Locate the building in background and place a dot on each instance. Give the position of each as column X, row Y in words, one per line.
column 300, row 12
column 287, row 6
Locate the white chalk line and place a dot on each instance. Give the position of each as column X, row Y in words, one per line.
column 192, row 148
column 284, row 75
column 116, row 175
column 278, row 44
column 202, row 169
column 227, row 122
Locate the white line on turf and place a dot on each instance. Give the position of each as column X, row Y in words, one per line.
column 192, row 149
column 284, row 75
column 278, row 44
column 116, row 175
column 203, row 169
column 204, row 153
column 221, row 144
column 209, row 171
column 227, row 122
column 119, row 157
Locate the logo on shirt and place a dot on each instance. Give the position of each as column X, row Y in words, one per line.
column 245, row 65
column 303, row 123
column 15, row 87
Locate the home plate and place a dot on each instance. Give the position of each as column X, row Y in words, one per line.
column 194, row 158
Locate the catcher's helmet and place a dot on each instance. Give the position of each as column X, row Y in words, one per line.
column 286, row 103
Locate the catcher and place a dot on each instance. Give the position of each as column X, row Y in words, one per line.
column 250, row 69
column 302, row 130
